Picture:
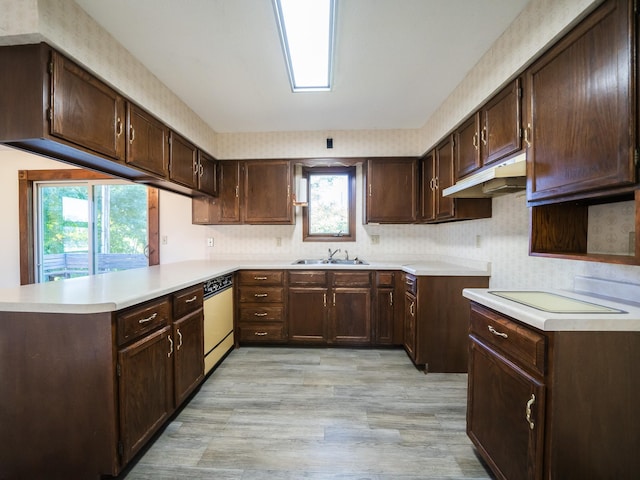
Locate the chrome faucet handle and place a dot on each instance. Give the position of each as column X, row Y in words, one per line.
column 346, row 254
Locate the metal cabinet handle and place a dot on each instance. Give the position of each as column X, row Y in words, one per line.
column 497, row 333
column 411, row 308
column 391, row 299
column 200, row 170
column 237, row 191
column 483, row 135
column 148, row 319
column 260, row 278
column 528, row 411
column 118, row 127
column 260, row 334
column 170, row 343
column 526, row 135
column 260, row 295
column 475, row 140
column 260, row 314
column 324, row 299
column 370, row 191
column 179, row 339
column 132, row 134
column 334, row 299
column 192, row 299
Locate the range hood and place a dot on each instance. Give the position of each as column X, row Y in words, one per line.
column 505, row 177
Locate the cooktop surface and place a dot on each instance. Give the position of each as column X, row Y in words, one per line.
column 552, row 302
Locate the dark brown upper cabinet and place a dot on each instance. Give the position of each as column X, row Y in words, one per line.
column 207, row 174
column 501, row 124
column 267, row 192
column 147, row 142
column 51, row 106
column 226, row 208
column 436, row 174
column 583, row 110
column 76, row 98
column 183, row 161
column 390, row 190
column 492, row 133
column 468, row 158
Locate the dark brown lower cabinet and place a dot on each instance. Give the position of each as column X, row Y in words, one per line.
column 188, row 333
column 497, row 419
column 436, row 321
column 387, row 307
column 560, row 404
column 146, row 389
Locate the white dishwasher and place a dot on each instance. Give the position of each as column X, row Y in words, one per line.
column 218, row 319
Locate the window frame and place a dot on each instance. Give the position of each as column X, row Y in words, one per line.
column 26, row 215
column 343, row 170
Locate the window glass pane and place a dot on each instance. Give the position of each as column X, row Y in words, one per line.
column 328, row 204
column 64, row 232
column 120, row 213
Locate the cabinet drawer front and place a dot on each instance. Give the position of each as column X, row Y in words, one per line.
column 410, row 283
column 139, row 320
column 352, row 279
column 257, row 332
column 260, row 277
column 261, row 294
column 525, row 345
column 261, row 314
column 308, row 277
column 187, row 301
column 385, row 279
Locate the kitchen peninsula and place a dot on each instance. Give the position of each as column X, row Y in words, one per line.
column 91, row 368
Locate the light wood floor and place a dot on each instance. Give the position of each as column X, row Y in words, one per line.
column 317, row 414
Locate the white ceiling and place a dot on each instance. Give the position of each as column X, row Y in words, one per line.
column 395, row 60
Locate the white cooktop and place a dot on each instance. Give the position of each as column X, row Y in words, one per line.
column 552, row 302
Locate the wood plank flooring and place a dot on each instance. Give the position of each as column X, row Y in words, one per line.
column 317, row 414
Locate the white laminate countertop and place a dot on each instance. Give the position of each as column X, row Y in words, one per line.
column 117, row 290
column 627, row 321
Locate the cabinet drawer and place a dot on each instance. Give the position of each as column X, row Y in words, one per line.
column 260, row 277
column 385, row 279
column 136, row 321
column 261, row 314
column 352, row 279
column 187, row 301
column 261, row 294
column 522, row 343
column 258, row 332
column 410, row 283
column 308, row 277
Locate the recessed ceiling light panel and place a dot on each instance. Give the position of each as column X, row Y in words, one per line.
column 307, row 29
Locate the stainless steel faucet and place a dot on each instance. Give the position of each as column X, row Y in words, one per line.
column 331, row 254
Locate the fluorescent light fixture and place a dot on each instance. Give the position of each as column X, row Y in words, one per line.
column 307, row 34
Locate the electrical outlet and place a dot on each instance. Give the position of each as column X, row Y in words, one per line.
column 375, row 239
column 165, row 240
column 210, row 242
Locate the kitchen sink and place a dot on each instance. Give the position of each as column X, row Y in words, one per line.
column 333, row 261
column 310, row 261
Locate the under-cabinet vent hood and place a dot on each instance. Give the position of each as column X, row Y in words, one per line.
column 505, row 177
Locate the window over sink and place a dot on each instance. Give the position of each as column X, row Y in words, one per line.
column 330, row 213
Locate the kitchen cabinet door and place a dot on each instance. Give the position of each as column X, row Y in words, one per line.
column 427, row 187
column 148, row 141
column 582, row 115
column 500, row 135
column 505, row 414
column 85, row 111
column 308, row 311
column 207, row 174
column 410, row 325
column 183, row 161
column 385, row 316
column 224, row 209
column 188, row 336
column 267, row 192
column 145, row 389
column 468, row 147
column 445, row 177
column 391, row 190
column 351, row 316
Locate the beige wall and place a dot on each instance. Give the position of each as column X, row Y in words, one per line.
column 502, row 240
